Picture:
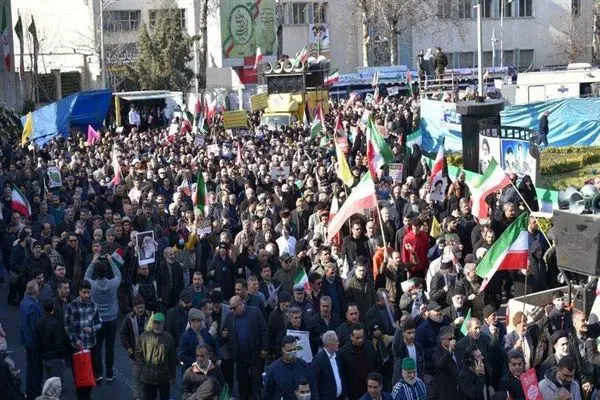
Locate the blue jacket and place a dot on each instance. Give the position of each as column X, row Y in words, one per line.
column 188, row 343
column 282, row 378
column 30, row 312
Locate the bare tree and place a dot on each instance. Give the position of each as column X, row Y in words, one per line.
column 596, row 33
column 570, row 40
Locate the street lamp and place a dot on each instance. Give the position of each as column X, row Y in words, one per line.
column 479, row 48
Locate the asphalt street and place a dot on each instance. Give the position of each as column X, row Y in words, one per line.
column 119, row 389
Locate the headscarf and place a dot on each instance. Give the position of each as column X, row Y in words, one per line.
column 51, row 390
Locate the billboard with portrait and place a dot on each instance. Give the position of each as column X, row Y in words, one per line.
column 318, row 40
column 246, row 25
column 516, row 158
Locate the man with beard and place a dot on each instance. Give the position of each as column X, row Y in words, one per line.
column 560, row 343
column 560, row 383
column 466, row 224
column 391, row 275
column 356, row 244
column 409, row 387
column 428, row 331
column 495, row 331
column 442, row 383
column 277, row 322
column 360, row 289
column 38, row 259
column 414, row 248
column 344, row 331
column 134, row 326
column 469, row 284
column 156, row 356
column 382, row 313
column 299, row 216
column 474, row 338
column 414, row 302
column 49, row 289
column 457, row 311
column 204, row 379
column 358, row 358
column 443, row 283
column 471, row 379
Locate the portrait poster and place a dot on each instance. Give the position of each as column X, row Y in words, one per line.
column 438, row 189
column 318, row 42
column 215, row 149
column 204, row 227
column 146, row 248
column 396, row 172
column 489, row 147
column 280, row 172
column 54, row 177
column 516, row 158
column 304, row 350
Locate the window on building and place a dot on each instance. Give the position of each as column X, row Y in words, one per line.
column 488, row 59
column 121, row 20
column 451, row 60
column 465, row 60
column 525, row 8
column 525, row 58
column 508, row 58
column 296, row 13
column 465, row 9
column 445, row 9
column 154, row 15
column 488, row 9
column 318, row 13
column 508, row 7
column 575, row 7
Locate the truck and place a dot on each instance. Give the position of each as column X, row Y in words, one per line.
column 576, row 80
column 287, row 108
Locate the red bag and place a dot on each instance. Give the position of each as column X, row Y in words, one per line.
column 83, row 372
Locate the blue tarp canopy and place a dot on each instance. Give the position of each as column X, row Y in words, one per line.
column 77, row 110
column 572, row 121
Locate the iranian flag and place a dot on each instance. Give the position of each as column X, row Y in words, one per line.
column 185, row 187
column 438, row 166
column 375, row 81
column 378, row 151
column 116, row 258
column 116, row 168
column 302, row 56
column 317, row 124
column 19, row 203
column 509, row 252
column 5, row 32
column 200, row 195
column 301, row 280
column 493, row 180
column 335, row 206
column 259, row 58
column 361, row 197
column 332, row 79
column 306, row 118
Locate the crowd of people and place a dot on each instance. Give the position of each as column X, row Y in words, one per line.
column 389, row 311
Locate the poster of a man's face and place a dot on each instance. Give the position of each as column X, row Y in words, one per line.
column 516, row 158
column 146, row 247
column 489, row 148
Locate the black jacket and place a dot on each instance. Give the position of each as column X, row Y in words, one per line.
column 317, row 327
column 197, row 386
column 324, row 378
column 374, row 316
column 471, row 386
column 175, row 323
column 400, row 352
column 257, row 330
column 350, row 363
column 49, row 337
column 512, row 386
column 275, row 329
column 444, row 385
column 130, row 332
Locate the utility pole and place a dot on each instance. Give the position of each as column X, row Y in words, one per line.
column 479, row 49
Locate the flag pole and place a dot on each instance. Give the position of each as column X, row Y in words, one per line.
column 380, row 224
column 530, row 211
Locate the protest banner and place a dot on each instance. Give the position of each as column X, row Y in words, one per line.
column 396, row 172
column 259, row 101
column 304, row 350
column 235, row 119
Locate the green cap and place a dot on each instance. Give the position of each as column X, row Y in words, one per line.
column 158, row 317
column 409, row 364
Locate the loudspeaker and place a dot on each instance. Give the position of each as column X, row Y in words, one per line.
column 285, row 83
column 577, row 242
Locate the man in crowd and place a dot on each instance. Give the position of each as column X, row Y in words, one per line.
column 409, row 386
column 283, row 374
column 327, row 370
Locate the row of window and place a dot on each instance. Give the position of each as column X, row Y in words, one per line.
column 301, row 13
column 131, row 20
column 519, row 58
column 463, row 9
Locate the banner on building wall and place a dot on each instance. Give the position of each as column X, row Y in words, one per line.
column 440, row 120
column 318, row 40
column 246, row 25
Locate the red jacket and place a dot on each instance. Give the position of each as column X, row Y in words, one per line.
column 420, row 245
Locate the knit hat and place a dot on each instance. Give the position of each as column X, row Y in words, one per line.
column 434, row 306
column 194, row 314
column 409, row 364
column 488, row 310
column 284, row 297
column 138, row 300
column 52, row 388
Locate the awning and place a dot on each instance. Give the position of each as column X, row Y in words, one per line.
column 144, row 95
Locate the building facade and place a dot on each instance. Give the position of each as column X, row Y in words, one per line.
column 528, row 34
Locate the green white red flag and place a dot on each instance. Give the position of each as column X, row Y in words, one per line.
column 5, row 36
column 360, row 198
column 332, row 79
column 317, row 125
column 509, row 252
column 116, row 258
column 378, row 151
column 19, row 203
column 493, row 180
column 199, row 198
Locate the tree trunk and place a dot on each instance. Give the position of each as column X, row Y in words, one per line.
column 202, row 45
column 279, row 19
column 596, row 35
column 365, row 32
column 393, row 47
